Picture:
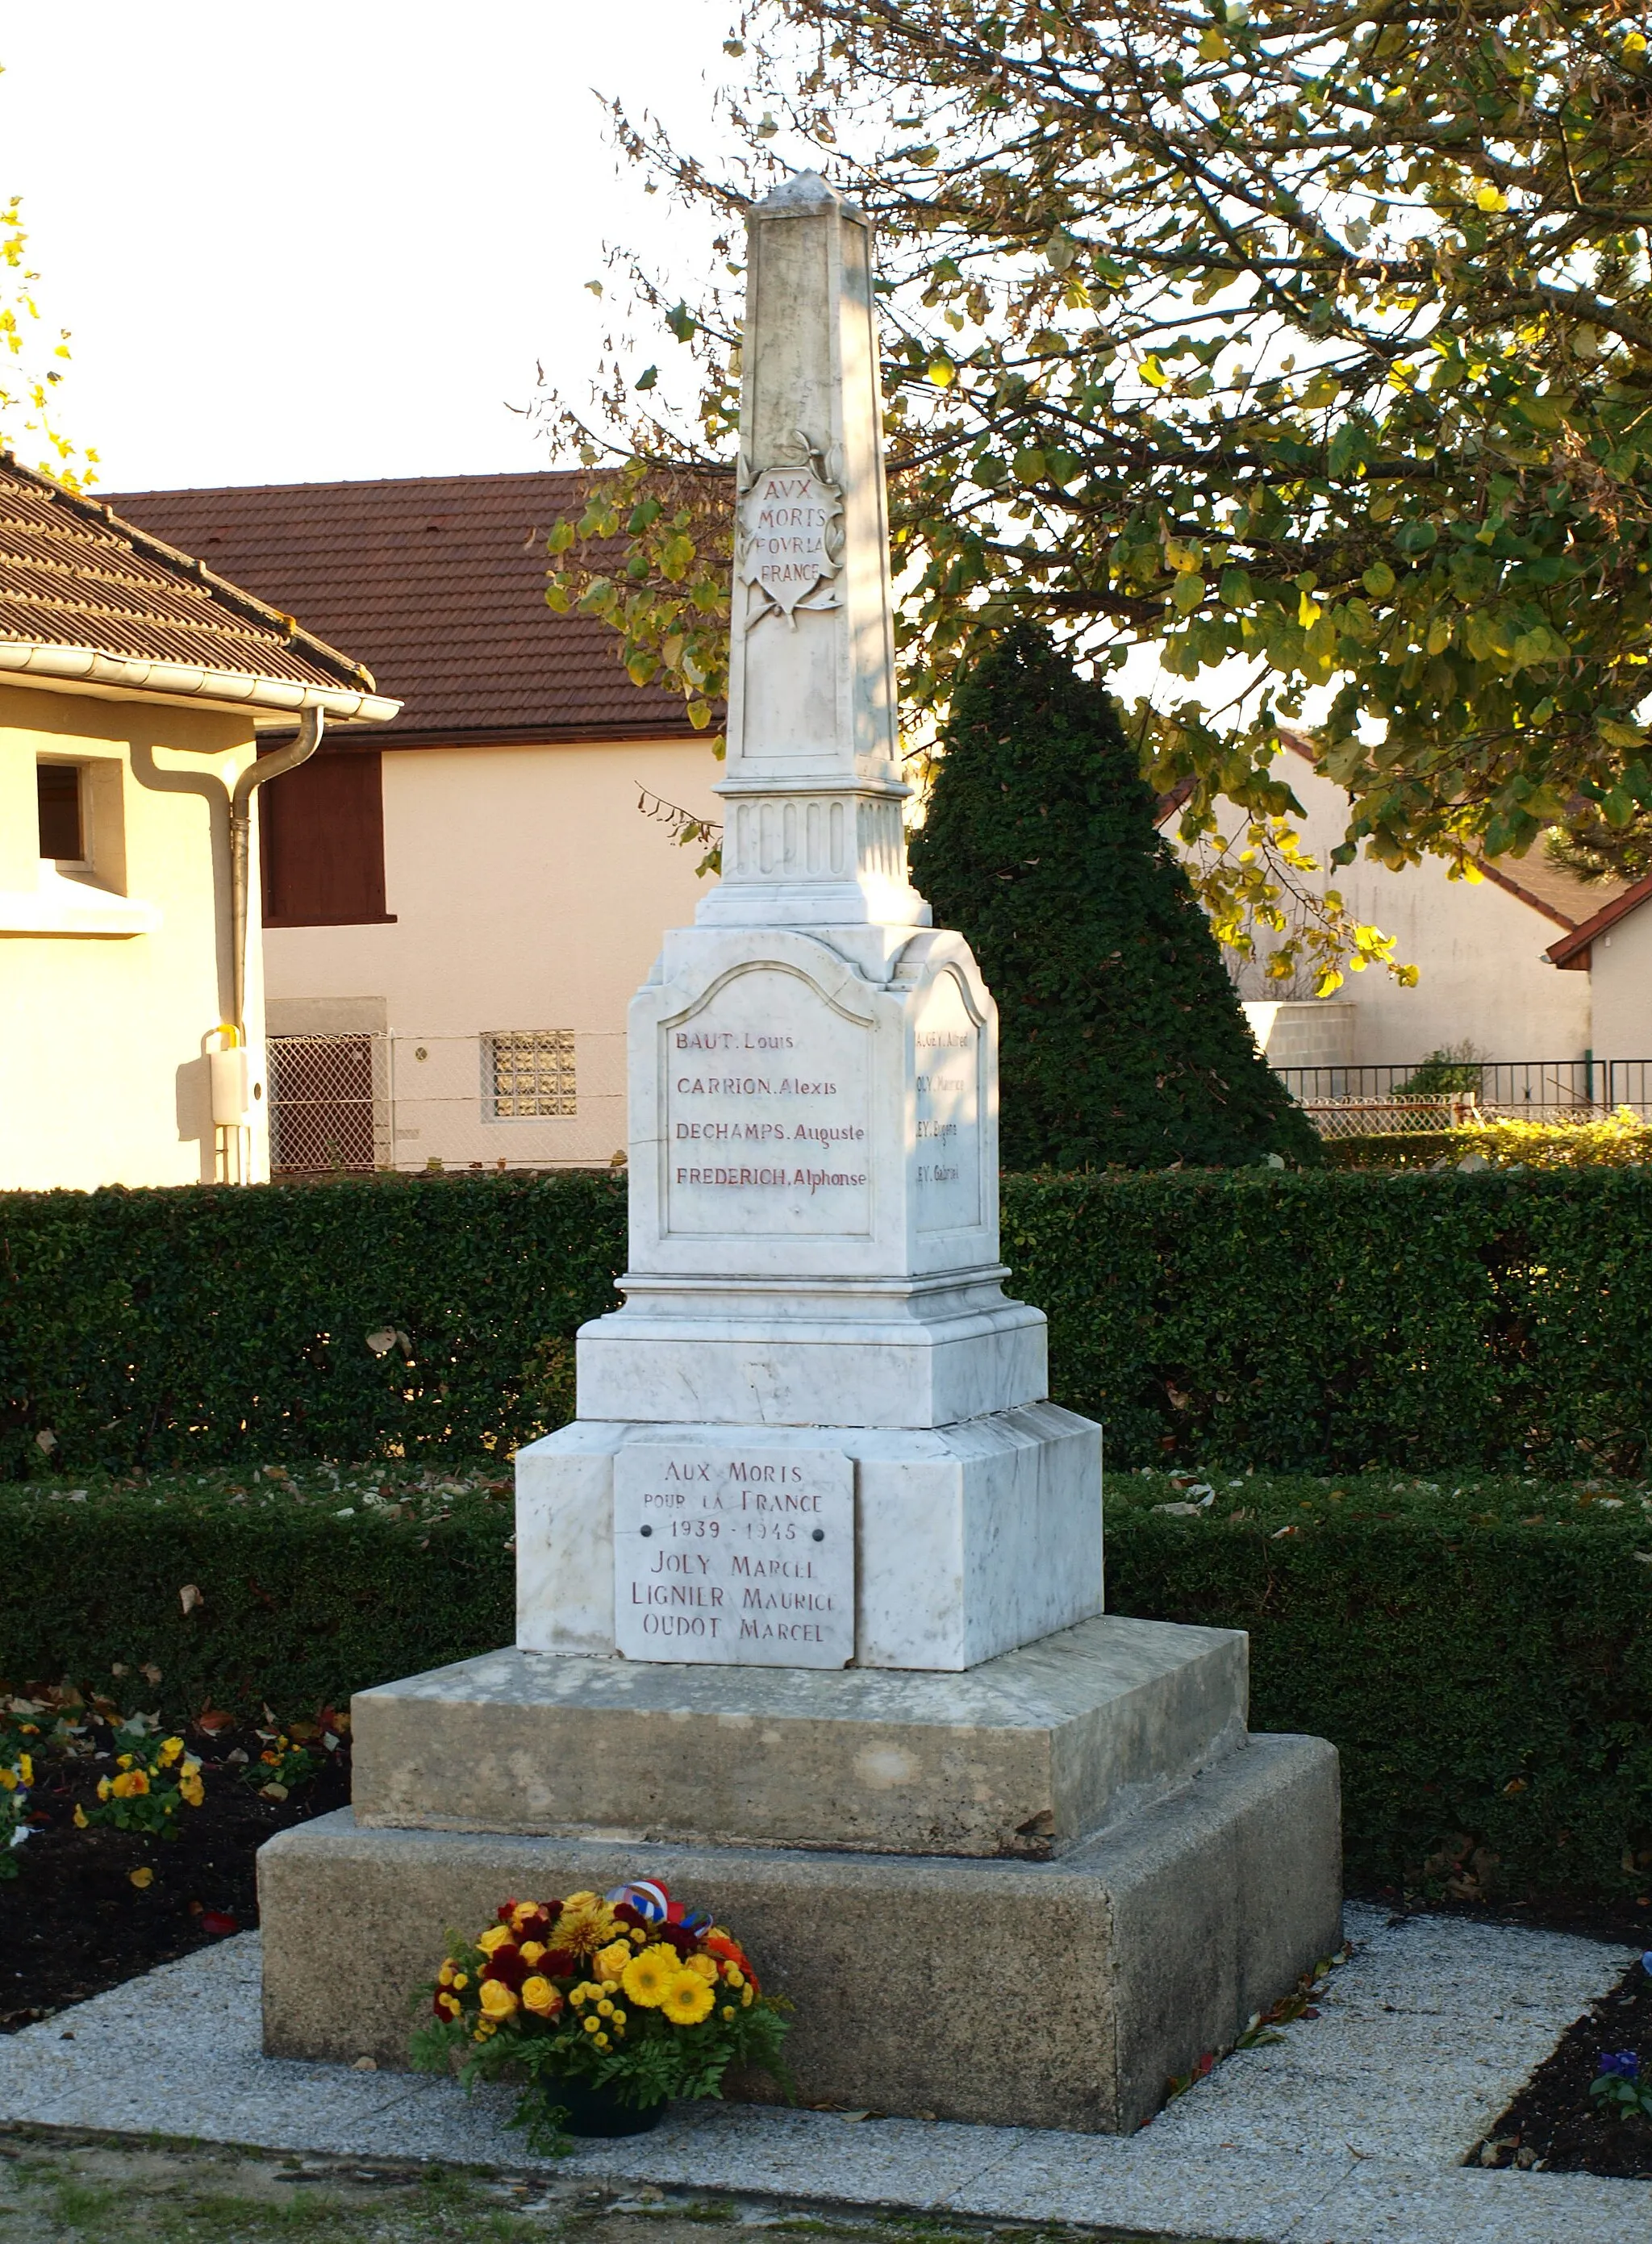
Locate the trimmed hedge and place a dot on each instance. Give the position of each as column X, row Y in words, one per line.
column 1482, row 1660
column 1309, row 1320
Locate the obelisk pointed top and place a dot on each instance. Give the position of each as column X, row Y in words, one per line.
column 805, row 192
column 812, row 779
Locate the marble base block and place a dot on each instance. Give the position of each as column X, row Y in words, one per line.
column 1026, row 1755
column 970, row 1539
column 1013, row 1994
column 913, row 1353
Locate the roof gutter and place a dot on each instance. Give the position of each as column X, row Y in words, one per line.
column 62, row 667
column 240, row 840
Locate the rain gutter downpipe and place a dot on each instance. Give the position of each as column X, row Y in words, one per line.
column 240, row 840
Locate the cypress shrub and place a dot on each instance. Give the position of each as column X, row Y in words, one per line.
column 1121, row 1037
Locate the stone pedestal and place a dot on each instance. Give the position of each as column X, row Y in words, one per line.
column 809, row 1595
column 1059, row 1994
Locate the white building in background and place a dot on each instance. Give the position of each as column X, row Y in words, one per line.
column 1486, row 952
column 457, row 910
column 1612, row 950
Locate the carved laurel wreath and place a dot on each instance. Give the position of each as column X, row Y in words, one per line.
column 825, row 467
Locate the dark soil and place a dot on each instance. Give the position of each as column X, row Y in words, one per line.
column 1553, row 2123
column 71, row 1921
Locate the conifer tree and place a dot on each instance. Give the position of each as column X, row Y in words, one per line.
column 1122, row 1040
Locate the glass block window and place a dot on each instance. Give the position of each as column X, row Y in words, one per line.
column 527, row 1072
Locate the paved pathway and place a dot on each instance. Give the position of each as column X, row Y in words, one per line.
column 1349, row 2131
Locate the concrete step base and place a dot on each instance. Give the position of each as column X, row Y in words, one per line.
column 1027, row 1754
column 1017, row 1994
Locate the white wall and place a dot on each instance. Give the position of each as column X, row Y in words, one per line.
column 1483, row 976
column 1620, row 970
column 530, row 893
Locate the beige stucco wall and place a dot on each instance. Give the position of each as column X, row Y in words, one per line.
column 1483, row 976
column 102, row 1080
column 1620, row 970
column 529, row 894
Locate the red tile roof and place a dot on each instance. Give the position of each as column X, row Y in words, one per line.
column 1573, row 949
column 76, row 580
column 440, row 581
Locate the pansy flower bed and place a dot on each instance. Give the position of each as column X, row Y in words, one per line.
column 604, row 2006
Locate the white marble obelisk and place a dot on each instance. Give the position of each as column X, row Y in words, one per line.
column 816, row 1438
column 814, row 1280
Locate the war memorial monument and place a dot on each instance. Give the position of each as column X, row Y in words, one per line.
column 811, row 1612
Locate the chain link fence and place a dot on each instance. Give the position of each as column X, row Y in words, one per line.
column 508, row 1098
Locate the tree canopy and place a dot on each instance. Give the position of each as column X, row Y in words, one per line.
column 1308, row 341
column 29, row 369
column 1121, row 1041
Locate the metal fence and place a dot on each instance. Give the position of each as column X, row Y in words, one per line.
column 510, row 1099
column 1440, row 1094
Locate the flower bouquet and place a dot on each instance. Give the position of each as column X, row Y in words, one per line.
column 608, row 2004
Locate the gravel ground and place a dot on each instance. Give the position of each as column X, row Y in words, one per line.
column 1350, row 2130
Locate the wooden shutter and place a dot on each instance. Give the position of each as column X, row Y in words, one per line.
column 322, row 836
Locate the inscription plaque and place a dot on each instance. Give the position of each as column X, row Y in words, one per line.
column 947, row 1167
column 737, row 1556
column 767, row 1097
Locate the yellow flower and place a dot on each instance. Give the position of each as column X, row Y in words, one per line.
column 190, row 1785
column 734, row 1975
column 103, row 1788
column 495, row 1937
column 586, row 1924
column 132, row 1785
column 81, row 1817
column 124, row 1761
column 648, row 1977
column 9, row 1778
column 450, row 2004
column 639, row 1935
column 594, row 2026
column 524, row 1913
column 461, row 1979
column 602, row 2041
column 26, row 1767
column 497, row 1999
column 445, row 1977
column 745, row 1998
column 687, row 1999
column 540, row 1996
column 705, row 1966
column 619, row 2017
column 605, row 2008
column 532, row 1950
column 612, row 1960
column 170, row 1751
column 729, row 2010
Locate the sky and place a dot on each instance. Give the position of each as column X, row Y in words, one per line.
column 333, row 239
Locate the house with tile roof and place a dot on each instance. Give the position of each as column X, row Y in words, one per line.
column 1612, row 949
column 132, row 680
column 459, row 906
column 1486, row 950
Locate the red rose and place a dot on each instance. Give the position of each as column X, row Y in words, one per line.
column 560, row 1964
column 627, row 1916
column 506, row 1963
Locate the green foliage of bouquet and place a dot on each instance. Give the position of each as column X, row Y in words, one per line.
column 154, row 1777
column 615, row 2002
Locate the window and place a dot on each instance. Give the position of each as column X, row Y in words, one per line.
column 63, row 821
column 321, row 840
column 527, row 1072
